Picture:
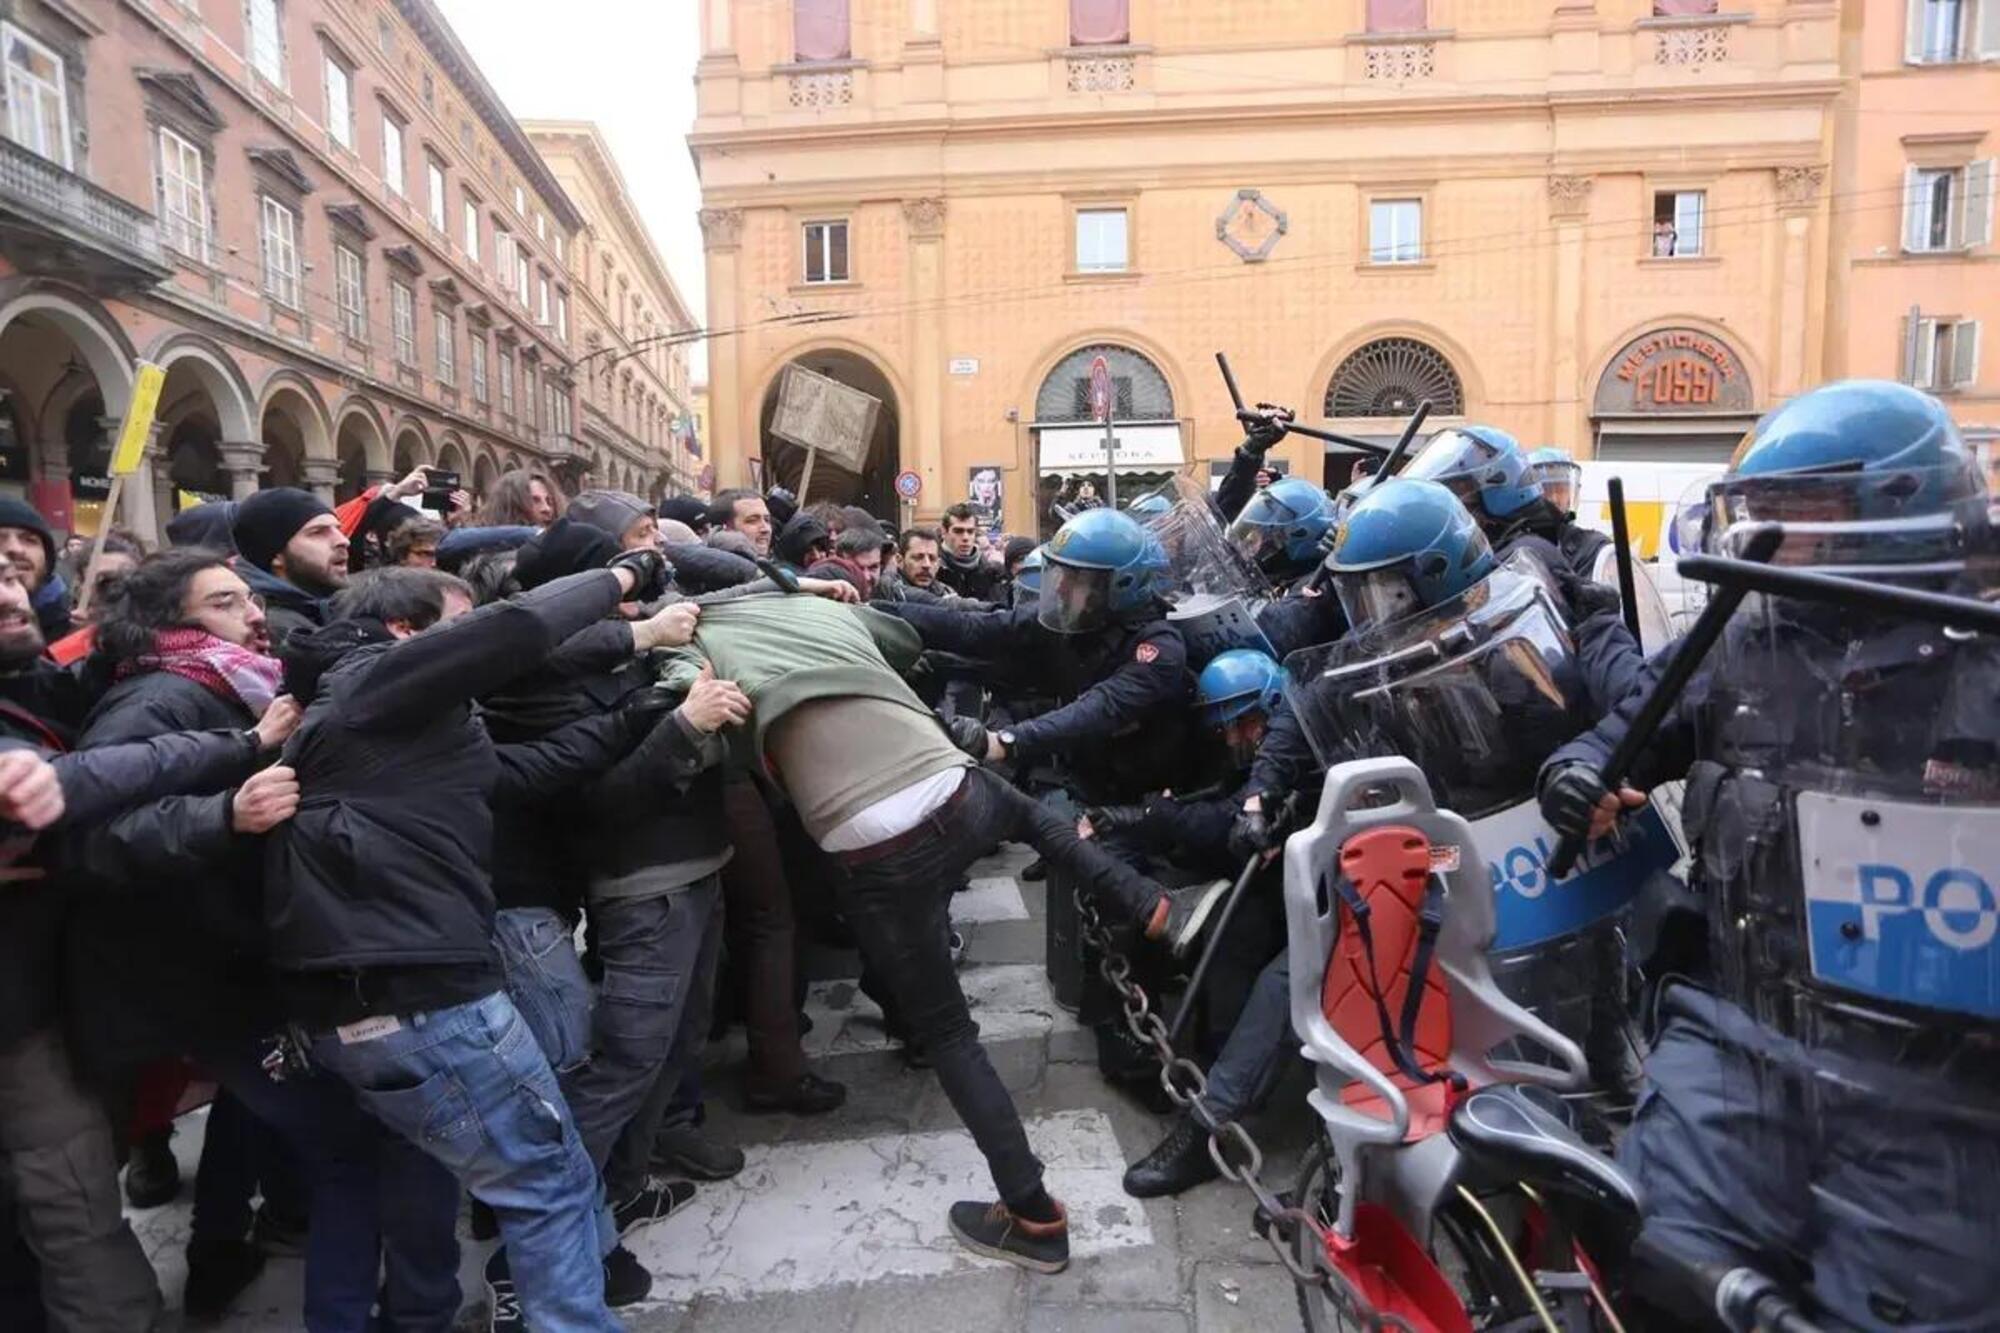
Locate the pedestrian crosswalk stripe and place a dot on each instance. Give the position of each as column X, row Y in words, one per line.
column 997, row 898
column 1009, row 1001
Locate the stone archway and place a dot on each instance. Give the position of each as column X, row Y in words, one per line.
column 68, row 367
column 484, row 474
column 873, row 486
column 209, row 433
column 361, row 448
column 451, row 456
column 298, row 441
column 1070, row 469
column 413, row 447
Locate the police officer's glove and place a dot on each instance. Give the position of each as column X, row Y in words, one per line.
column 651, row 575
column 1251, row 834
column 968, row 734
column 1107, row 820
column 1588, row 597
column 1570, row 799
column 1267, row 427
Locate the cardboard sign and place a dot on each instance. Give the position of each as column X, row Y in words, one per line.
column 822, row 414
column 138, row 427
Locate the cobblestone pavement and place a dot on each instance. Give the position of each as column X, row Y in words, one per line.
column 838, row 1222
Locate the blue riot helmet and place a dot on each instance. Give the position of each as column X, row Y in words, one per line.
column 1238, row 682
column 1485, row 467
column 1283, row 527
column 1028, row 577
column 1560, row 477
column 1866, row 477
column 1149, row 506
column 1407, row 545
column 1102, row 566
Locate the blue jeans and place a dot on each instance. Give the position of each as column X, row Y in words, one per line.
column 652, row 1008
column 545, row 981
column 470, row 1087
column 375, row 1203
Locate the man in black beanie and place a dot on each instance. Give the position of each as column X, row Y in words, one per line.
column 689, row 509
column 29, row 544
column 294, row 557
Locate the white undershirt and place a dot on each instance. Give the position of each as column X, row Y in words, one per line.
column 895, row 814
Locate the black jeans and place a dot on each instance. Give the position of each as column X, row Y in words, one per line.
column 897, row 905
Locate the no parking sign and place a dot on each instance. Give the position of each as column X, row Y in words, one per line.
column 909, row 485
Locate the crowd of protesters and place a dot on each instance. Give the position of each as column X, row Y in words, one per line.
column 428, row 838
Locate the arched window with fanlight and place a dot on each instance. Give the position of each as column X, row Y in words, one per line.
column 1074, row 463
column 1390, row 376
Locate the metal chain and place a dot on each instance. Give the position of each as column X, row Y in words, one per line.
column 1235, row 1153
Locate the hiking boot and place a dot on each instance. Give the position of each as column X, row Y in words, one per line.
column 686, row 1151
column 152, row 1176
column 217, row 1274
column 994, row 1231
column 653, row 1204
column 1179, row 1162
column 1183, row 914
column 808, row 1095
column 503, row 1306
column 626, row 1281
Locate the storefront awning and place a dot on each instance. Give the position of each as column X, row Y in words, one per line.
column 1064, row 449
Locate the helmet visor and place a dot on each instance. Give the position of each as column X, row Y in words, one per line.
column 1912, row 522
column 1560, row 483
column 1372, row 597
column 1453, row 458
column 1074, row 600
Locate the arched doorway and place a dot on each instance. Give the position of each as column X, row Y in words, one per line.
column 358, row 445
column 1373, row 390
column 1070, row 463
column 1672, row 395
column 284, row 449
column 484, row 474
column 412, row 449
column 873, row 487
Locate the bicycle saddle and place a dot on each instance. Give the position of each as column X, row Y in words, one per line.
column 1506, row 1132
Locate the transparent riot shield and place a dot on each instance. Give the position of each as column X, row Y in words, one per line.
column 1656, row 625
column 1215, row 592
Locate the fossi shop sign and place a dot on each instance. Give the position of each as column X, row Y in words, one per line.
column 1674, row 370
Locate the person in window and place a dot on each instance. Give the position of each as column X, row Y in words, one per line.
column 1664, row 240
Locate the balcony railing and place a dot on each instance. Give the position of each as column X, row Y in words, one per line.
column 39, row 192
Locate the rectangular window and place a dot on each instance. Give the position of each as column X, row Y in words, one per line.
column 403, row 322
column 530, row 405
column 562, row 316
column 447, row 347
column 562, row 250
column 281, row 253
column 339, row 103
column 542, row 311
column 523, row 280
column 820, row 30
column 392, row 154
column 267, row 42
column 520, row 201
column 503, row 259
column 385, row 35
column 1396, row 16
column 1395, row 231
column 471, row 229
column 183, row 196
column 430, row 91
column 506, row 381
column 541, row 227
column 826, row 252
column 1102, row 240
column 434, row 175
column 37, row 97
column 1677, row 223
column 1948, row 208
column 1943, row 357
column 1671, row 9
column 350, row 292
column 478, row 367
column 1100, row 22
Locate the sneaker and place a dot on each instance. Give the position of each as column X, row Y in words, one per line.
column 653, row 1204
column 217, row 1275
column 1179, row 1163
column 990, row 1229
column 152, row 1176
column 809, row 1095
column 1183, row 914
column 278, row 1237
column 686, row 1151
column 626, row 1281
column 503, row 1307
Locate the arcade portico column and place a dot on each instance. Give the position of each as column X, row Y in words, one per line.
column 322, row 476
column 243, row 460
column 140, row 503
column 722, row 238
column 924, row 222
column 1798, row 200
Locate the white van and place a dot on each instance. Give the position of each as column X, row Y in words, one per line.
column 1655, row 494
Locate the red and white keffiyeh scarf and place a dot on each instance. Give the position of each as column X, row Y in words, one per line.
column 224, row 668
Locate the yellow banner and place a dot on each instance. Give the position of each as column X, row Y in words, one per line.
column 138, row 425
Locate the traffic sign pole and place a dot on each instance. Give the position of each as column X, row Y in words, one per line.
column 1102, row 399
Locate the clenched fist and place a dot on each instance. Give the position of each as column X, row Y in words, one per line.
column 30, row 793
column 713, row 704
column 267, row 800
column 280, row 720
column 671, row 627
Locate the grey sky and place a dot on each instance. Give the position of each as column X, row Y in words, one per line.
column 629, row 66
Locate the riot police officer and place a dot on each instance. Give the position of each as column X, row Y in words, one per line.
column 1825, row 1095
column 1246, row 993
column 1284, row 529
column 1267, row 427
column 1561, row 480
column 1487, row 469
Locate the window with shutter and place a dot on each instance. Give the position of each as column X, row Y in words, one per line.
column 1923, row 369
column 1965, row 354
column 37, row 97
column 820, row 30
column 1976, row 227
column 1100, row 22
